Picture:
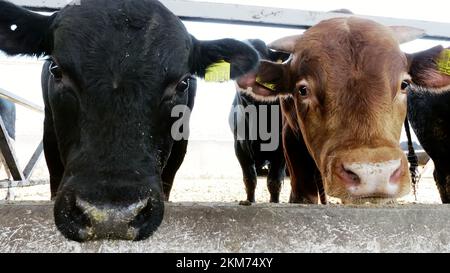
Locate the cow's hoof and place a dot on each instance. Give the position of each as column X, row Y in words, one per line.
column 245, row 203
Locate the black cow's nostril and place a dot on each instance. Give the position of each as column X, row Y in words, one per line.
column 71, row 219
column 82, row 220
column 79, row 216
column 142, row 215
column 148, row 219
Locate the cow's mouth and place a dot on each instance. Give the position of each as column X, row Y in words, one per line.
column 377, row 199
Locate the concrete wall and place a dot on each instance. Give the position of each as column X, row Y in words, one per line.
column 29, row 227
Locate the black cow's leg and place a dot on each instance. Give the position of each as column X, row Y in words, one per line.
column 248, row 172
column 275, row 178
column 174, row 162
column 250, row 180
column 442, row 179
column 302, row 169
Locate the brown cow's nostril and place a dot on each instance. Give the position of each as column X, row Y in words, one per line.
column 350, row 176
column 396, row 175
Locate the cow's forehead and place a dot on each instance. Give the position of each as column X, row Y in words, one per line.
column 352, row 48
column 352, row 27
column 124, row 38
column 89, row 22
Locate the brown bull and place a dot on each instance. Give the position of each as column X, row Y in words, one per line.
column 344, row 102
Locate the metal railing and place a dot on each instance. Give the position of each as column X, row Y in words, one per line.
column 20, row 177
column 256, row 15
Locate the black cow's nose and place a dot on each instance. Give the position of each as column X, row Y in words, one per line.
column 114, row 222
column 81, row 220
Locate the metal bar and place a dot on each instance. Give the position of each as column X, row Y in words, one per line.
column 254, row 15
column 8, row 154
column 4, row 184
column 50, row 4
column 28, row 171
column 21, row 101
column 285, row 17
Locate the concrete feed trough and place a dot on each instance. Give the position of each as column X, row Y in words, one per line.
column 206, row 227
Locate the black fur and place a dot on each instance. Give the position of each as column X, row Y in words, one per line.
column 429, row 115
column 209, row 52
column 251, row 158
column 108, row 103
column 32, row 36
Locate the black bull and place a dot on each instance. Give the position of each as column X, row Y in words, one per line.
column 116, row 69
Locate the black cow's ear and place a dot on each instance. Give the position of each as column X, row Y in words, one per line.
column 227, row 58
column 266, row 53
column 430, row 69
column 23, row 31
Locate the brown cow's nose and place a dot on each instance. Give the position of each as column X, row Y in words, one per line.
column 379, row 179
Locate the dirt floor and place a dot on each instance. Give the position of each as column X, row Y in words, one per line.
column 218, row 180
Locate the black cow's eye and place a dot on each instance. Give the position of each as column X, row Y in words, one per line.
column 56, row 71
column 184, row 85
column 303, row 90
column 405, row 84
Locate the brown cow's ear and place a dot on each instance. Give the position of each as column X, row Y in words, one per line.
column 407, row 34
column 430, row 69
column 286, row 44
column 267, row 82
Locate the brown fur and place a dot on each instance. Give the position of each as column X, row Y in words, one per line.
column 350, row 108
column 355, row 109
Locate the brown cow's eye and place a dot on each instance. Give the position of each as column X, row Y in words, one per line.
column 184, row 85
column 303, row 90
column 56, row 71
column 405, row 85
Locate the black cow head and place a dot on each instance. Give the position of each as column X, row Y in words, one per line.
column 117, row 70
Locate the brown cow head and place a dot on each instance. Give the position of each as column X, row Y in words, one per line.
column 344, row 89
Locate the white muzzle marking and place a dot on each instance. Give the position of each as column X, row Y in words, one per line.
column 375, row 178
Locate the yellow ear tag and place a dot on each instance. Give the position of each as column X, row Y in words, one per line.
column 270, row 86
column 218, row 72
column 443, row 62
